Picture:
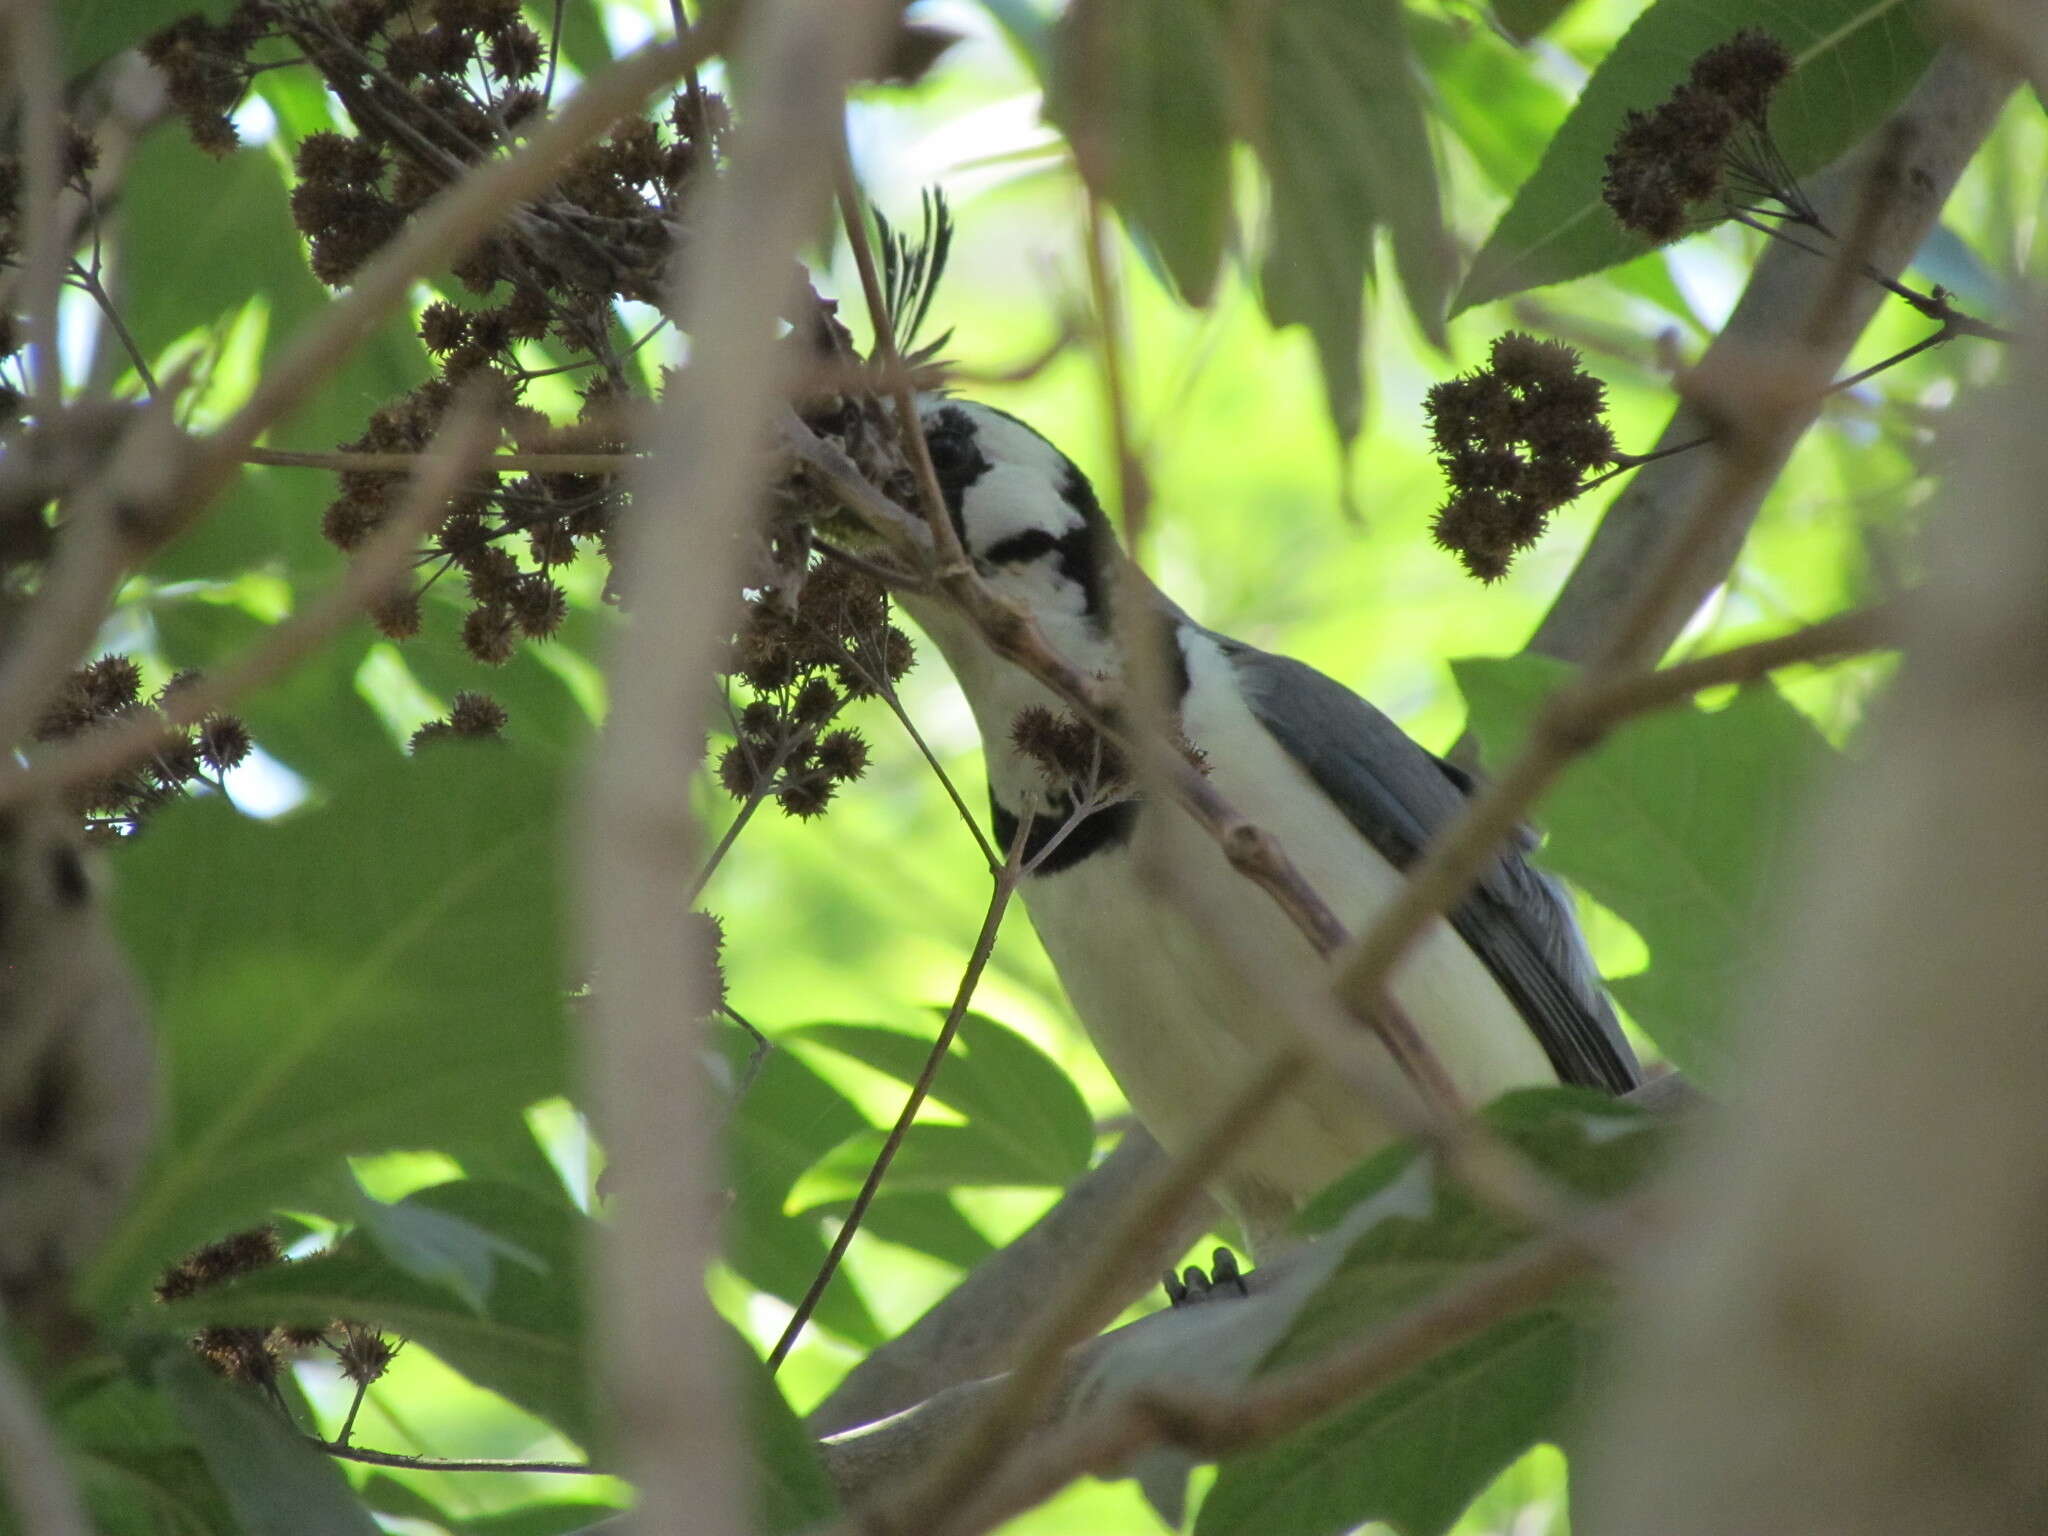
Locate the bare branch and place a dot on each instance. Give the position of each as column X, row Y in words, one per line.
column 975, row 1330
column 679, row 1437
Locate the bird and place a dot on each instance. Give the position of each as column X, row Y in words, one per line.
column 1171, row 959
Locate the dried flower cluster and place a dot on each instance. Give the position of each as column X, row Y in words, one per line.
column 802, row 658
column 1074, row 757
column 109, row 691
column 1516, row 440
column 433, row 88
column 477, row 716
column 78, row 156
column 1709, row 139
column 250, row 1352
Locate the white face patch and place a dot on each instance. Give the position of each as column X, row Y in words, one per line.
column 1022, row 488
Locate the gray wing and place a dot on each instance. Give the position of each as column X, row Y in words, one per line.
column 1396, row 794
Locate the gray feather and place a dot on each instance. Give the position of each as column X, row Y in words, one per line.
column 1396, row 794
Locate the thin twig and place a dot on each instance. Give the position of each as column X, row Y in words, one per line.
column 1935, row 306
column 439, row 1464
column 1006, row 879
column 348, row 1423
column 895, row 705
column 88, row 280
column 350, row 461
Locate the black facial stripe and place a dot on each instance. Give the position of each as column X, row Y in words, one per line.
column 1109, row 827
column 1019, row 547
column 1080, row 547
column 956, row 459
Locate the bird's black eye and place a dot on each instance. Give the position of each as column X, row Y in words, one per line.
column 951, row 454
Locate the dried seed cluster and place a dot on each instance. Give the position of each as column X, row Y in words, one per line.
column 1516, row 440
column 432, row 88
column 253, row 1353
column 477, row 716
column 1073, row 756
column 78, row 156
column 802, row 657
column 1708, row 139
column 108, row 691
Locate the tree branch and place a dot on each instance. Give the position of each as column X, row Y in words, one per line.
column 975, row 1330
column 679, row 1437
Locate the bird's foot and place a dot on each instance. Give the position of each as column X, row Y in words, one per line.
column 1222, row 1277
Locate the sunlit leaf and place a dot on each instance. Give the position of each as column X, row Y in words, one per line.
column 1010, row 1093
column 277, row 1484
column 1856, row 59
column 788, row 1118
column 1138, row 87
column 370, row 974
column 1415, row 1453
column 526, row 1342
column 1681, row 823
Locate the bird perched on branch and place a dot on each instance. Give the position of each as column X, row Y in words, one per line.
column 1179, row 966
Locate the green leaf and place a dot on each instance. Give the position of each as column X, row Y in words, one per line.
column 1680, row 822
column 90, row 32
column 1346, row 148
column 438, row 1248
column 372, row 974
column 788, row 1118
column 1485, row 93
column 527, row 1342
column 175, row 273
column 928, row 1222
column 1525, row 19
column 1856, row 60
column 1138, row 87
column 145, row 1490
column 277, row 1484
column 1009, row 1092
column 792, row 1490
column 931, row 1159
column 1416, row 1453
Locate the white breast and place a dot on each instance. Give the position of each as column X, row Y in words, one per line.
column 1172, row 960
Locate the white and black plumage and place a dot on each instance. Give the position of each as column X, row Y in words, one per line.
column 1169, row 956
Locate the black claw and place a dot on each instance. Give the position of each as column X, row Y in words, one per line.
column 1223, row 1271
column 1197, row 1285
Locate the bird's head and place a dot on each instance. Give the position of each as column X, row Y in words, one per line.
column 1026, row 515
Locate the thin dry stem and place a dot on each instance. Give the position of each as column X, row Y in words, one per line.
column 970, row 978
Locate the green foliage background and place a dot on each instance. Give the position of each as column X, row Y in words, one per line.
column 313, row 1008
